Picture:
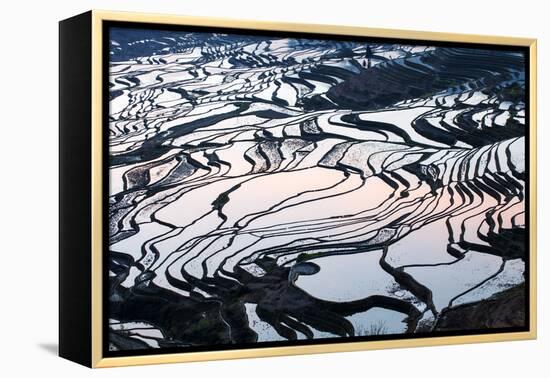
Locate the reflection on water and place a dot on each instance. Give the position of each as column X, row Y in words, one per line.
column 272, row 189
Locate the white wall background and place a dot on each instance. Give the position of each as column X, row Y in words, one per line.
column 28, row 201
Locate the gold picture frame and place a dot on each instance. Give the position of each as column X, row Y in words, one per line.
column 93, row 355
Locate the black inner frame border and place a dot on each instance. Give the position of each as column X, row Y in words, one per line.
column 106, row 25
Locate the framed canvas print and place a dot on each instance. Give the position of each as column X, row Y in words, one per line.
column 234, row 189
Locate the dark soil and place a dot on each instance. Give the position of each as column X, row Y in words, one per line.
column 502, row 310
